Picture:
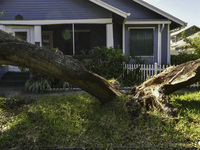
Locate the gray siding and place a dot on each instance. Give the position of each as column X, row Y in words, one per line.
column 137, row 11
column 52, row 9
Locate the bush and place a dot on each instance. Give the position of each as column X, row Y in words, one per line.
column 39, row 82
column 109, row 63
column 106, row 62
column 132, row 78
column 183, row 57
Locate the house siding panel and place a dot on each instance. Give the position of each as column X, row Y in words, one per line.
column 51, row 9
column 137, row 11
column 127, row 43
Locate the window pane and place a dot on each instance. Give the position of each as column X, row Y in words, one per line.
column 141, row 42
column 47, row 39
column 82, row 41
column 21, row 35
column 68, row 42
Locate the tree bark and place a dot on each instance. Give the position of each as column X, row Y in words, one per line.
column 19, row 53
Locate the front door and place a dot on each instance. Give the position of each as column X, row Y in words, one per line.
column 23, row 34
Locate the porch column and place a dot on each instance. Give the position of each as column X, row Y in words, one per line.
column 123, row 38
column 38, row 35
column 109, row 35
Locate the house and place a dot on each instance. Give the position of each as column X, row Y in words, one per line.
column 139, row 28
column 189, row 32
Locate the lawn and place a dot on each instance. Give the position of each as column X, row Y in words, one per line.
column 68, row 121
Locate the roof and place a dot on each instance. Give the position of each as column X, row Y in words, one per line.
column 161, row 12
column 184, row 29
column 143, row 3
column 111, row 8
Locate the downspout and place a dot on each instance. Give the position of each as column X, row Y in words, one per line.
column 163, row 25
column 73, row 39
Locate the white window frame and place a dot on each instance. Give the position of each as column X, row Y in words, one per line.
column 28, row 29
column 22, row 30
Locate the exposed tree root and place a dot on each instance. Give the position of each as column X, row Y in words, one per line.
column 153, row 93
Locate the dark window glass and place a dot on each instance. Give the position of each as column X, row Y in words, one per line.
column 141, row 42
column 21, row 35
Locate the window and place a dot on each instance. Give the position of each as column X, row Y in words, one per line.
column 81, row 41
column 21, row 35
column 47, row 39
column 141, row 42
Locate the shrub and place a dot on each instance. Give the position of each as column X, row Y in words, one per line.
column 106, row 62
column 132, row 78
column 183, row 57
column 38, row 82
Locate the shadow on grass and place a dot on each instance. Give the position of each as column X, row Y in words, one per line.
column 192, row 105
column 61, row 122
column 14, row 104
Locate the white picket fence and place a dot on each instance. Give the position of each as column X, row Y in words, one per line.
column 149, row 70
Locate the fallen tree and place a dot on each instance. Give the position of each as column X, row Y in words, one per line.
column 150, row 94
column 20, row 53
column 153, row 93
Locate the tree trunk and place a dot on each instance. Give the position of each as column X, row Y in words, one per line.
column 19, row 53
column 154, row 92
column 150, row 94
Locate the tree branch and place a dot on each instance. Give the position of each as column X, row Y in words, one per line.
column 19, row 53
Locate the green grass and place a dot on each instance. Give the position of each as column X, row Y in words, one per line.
column 81, row 121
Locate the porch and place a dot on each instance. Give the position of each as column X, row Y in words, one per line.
column 70, row 38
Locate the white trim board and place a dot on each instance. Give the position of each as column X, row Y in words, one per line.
column 129, row 28
column 52, row 22
column 148, row 22
column 111, row 8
